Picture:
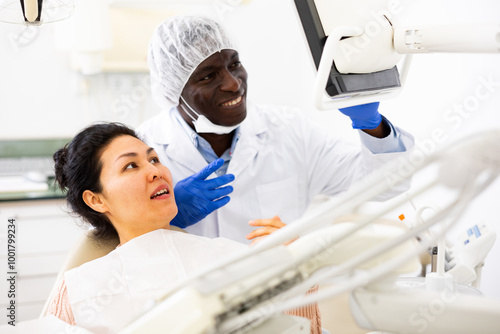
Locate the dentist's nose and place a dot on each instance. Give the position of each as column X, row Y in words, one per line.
column 230, row 82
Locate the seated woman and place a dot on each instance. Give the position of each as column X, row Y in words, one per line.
column 115, row 182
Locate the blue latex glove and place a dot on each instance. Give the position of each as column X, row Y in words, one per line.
column 196, row 197
column 364, row 116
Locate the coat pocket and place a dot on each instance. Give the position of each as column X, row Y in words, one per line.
column 279, row 198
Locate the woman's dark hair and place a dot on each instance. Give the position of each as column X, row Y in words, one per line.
column 78, row 168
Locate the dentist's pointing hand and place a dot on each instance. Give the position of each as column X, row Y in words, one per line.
column 197, row 197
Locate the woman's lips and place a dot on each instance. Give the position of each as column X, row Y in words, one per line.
column 160, row 192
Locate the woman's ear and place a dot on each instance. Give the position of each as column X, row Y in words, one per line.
column 94, row 201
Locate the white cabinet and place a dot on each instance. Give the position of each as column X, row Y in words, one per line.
column 44, row 233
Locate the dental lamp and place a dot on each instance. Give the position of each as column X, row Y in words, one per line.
column 242, row 293
column 35, row 12
column 356, row 60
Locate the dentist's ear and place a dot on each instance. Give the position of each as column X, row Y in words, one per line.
column 94, row 201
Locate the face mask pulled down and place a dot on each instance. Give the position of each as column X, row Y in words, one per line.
column 204, row 125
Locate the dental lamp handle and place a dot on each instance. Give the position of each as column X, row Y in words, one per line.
column 463, row 38
column 319, row 95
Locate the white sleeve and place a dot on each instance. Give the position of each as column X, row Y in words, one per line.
column 334, row 165
column 396, row 141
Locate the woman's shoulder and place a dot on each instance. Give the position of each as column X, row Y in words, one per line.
column 219, row 242
column 229, row 244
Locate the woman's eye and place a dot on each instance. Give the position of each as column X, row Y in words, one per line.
column 131, row 165
column 154, row 160
column 237, row 64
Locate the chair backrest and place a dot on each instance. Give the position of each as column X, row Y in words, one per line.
column 86, row 249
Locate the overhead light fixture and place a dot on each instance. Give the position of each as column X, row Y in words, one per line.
column 35, row 12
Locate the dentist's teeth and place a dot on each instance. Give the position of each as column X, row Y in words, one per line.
column 233, row 102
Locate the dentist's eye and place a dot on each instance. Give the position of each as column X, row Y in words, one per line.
column 208, row 77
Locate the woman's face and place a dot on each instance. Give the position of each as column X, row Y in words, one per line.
column 137, row 194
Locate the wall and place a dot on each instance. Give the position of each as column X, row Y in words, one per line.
column 40, row 96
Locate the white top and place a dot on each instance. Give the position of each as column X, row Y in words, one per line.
column 106, row 294
column 281, row 161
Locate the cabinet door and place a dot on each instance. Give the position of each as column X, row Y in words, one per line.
column 44, row 233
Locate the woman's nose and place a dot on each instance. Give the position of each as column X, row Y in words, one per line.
column 154, row 172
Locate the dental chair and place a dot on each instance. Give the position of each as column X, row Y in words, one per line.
column 86, row 249
column 336, row 317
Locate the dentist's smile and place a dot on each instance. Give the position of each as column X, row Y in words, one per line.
column 234, row 102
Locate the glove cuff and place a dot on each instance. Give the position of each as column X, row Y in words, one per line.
column 178, row 221
column 367, row 124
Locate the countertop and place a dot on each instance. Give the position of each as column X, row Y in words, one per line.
column 15, row 187
column 50, row 193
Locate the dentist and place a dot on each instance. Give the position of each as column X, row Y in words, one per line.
column 279, row 159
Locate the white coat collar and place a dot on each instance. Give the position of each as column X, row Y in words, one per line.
column 252, row 140
column 254, row 124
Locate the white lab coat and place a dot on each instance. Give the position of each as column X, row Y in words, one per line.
column 281, row 162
